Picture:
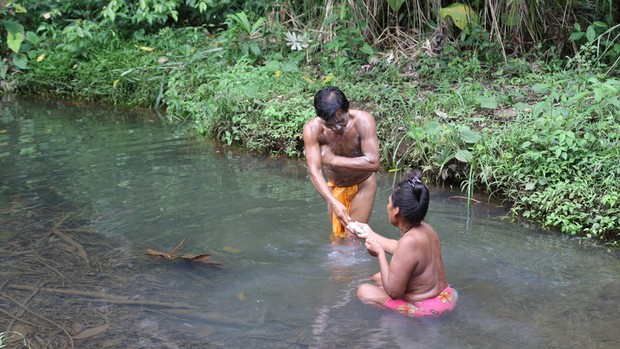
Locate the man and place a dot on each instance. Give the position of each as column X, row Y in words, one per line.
column 343, row 143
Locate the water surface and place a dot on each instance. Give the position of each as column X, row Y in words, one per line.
column 136, row 183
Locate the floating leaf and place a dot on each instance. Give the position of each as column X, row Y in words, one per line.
column 173, row 256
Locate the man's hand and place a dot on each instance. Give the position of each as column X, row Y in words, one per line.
column 341, row 212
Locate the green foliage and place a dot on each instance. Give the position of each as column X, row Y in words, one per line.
column 600, row 44
column 247, row 106
column 347, row 45
column 243, row 37
column 541, row 133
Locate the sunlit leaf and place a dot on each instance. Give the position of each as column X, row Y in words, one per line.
column 328, row 78
column 462, row 15
column 14, row 41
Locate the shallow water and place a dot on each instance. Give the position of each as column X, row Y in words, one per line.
column 136, row 180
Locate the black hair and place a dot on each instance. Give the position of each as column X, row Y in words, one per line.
column 411, row 196
column 329, row 101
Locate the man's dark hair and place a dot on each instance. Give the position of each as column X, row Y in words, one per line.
column 411, row 196
column 329, row 101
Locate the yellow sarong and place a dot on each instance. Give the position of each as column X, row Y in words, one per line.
column 344, row 195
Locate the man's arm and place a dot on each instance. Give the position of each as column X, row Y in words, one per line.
column 314, row 164
column 369, row 161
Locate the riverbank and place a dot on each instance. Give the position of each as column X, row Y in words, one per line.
column 538, row 130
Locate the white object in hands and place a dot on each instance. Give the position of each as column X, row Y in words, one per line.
column 358, row 229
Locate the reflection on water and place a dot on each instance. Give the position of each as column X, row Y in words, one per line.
column 138, row 182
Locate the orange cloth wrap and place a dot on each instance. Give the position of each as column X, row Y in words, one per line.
column 344, row 195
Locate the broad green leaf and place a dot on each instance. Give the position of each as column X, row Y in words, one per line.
column 19, row 8
column 32, row 37
column 367, row 49
column 463, row 155
column 14, row 41
column 540, row 88
column 520, row 106
column 600, row 25
column 591, row 33
column 13, row 27
column 395, row 5
column 576, row 36
column 462, row 15
column 433, row 128
column 20, row 60
column 530, row 186
column 487, row 102
column 469, row 136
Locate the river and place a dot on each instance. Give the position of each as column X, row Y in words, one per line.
column 86, row 189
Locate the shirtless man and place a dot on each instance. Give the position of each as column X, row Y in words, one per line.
column 413, row 282
column 343, row 143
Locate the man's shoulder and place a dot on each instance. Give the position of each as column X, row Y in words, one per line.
column 312, row 128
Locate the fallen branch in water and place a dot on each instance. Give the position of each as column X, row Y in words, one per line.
column 80, row 249
column 39, row 316
column 102, row 297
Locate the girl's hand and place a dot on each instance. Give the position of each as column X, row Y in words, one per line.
column 373, row 247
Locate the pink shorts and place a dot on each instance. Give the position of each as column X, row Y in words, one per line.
column 433, row 307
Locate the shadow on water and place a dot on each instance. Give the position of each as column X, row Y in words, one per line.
column 85, row 190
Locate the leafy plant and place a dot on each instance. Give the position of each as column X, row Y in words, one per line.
column 242, row 38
